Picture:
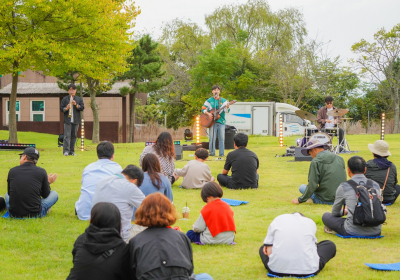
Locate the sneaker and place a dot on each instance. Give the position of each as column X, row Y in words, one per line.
column 66, row 154
column 310, row 200
column 328, row 230
column 72, row 154
column 220, row 158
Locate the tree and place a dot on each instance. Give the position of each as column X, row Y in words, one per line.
column 55, row 36
column 145, row 72
column 180, row 46
column 256, row 26
column 379, row 61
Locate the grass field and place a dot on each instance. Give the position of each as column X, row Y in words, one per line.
column 41, row 248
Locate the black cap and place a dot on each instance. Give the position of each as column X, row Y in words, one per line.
column 32, row 152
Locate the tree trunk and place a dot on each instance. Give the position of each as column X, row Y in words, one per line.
column 132, row 101
column 12, row 120
column 95, row 110
column 395, row 102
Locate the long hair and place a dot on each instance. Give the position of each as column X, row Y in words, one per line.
column 106, row 215
column 155, row 211
column 151, row 165
column 164, row 146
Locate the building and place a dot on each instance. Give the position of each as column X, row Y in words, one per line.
column 38, row 107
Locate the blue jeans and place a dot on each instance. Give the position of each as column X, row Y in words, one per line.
column 193, row 236
column 217, row 129
column 203, row 276
column 314, row 198
column 47, row 202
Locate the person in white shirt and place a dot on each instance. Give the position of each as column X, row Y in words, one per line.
column 196, row 173
column 291, row 248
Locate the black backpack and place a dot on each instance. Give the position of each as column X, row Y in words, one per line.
column 369, row 211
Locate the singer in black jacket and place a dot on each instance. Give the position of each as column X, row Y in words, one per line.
column 71, row 124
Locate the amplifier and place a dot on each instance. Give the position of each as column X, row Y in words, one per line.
column 298, row 156
column 178, row 152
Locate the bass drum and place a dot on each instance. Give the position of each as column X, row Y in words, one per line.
column 322, row 137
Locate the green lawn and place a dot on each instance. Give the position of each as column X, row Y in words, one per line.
column 41, row 248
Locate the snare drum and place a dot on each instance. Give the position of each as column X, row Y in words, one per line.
column 310, row 131
column 322, row 137
column 332, row 131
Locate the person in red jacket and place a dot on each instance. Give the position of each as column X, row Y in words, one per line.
column 215, row 224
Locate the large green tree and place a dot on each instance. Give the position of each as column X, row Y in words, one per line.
column 255, row 25
column 379, row 61
column 57, row 36
column 145, row 74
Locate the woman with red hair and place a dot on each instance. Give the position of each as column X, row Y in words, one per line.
column 159, row 251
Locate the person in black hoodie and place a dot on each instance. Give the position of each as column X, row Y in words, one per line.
column 100, row 252
column 383, row 171
column 160, row 252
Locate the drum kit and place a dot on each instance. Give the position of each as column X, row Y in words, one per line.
column 312, row 133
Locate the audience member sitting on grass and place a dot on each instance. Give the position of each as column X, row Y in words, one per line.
column 95, row 171
column 326, row 173
column 100, row 253
column 291, row 248
column 244, row 164
column 154, row 180
column 160, row 252
column 383, row 172
column 28, row 187
column 196, row 173
column 215, row 224
column 122, row 190
column 165, row 151
column 346, row 195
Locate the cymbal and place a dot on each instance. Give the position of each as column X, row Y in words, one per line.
column 347, row 118
column 305, row 115
column 337, row 112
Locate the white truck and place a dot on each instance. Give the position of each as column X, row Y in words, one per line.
column 262, row 118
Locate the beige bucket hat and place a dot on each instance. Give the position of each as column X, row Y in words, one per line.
column 380, row 148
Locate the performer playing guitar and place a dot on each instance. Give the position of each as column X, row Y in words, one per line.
column 218, row 128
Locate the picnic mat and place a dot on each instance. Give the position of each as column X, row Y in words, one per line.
column 387, row 267
column 364, row 237
column 234, row 202
column 301, row 277
column 6, row 215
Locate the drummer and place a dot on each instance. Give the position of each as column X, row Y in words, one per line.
column 329, row 122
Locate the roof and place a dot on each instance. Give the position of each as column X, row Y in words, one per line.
column 51, row 88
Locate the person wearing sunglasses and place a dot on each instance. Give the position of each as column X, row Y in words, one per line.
column 329, row 122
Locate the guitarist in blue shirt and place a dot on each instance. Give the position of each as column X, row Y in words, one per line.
column 218, row 128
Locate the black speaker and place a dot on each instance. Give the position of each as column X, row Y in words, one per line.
column 178, row 152
column 298, row 156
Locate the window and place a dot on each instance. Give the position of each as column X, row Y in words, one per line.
column 8, row 110
column 37, row 110
column 294, row 119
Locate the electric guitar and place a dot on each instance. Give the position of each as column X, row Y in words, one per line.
column 207, row 121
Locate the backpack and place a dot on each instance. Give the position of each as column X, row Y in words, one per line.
column 369, row 211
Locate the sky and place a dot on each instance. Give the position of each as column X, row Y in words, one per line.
column 339, row 22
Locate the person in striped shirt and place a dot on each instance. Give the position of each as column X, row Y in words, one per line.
column 218, row 128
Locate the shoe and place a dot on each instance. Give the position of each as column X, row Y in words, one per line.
column 310, row 200
column 66, row 154
column 328, row 230
column 72, row 154
column 220, row 158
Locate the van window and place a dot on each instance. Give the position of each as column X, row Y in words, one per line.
column 289, row 118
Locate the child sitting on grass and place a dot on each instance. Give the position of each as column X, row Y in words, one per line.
column 196, row 173
column 215, row 224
